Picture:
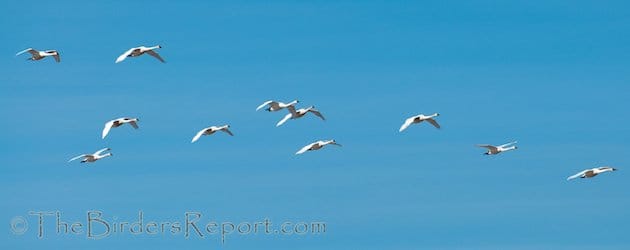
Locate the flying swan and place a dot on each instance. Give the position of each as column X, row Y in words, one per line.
column 295, row 114
column 92, row 157
column 316, row 146
column 418, row 119
column 211, row 130
column 493, row 150
column 275, row 105
column 119, row 122
column 38, row 55
column 590, row 173
column 138, row 51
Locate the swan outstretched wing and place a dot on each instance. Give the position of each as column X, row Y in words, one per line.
column 156, row 55
column 292, row 110
column 264, row 104
column 108, row 126
column 407, row 123
column 29, row 50
column 580, row 174
column 226, row 130
column 433, row 122
column 317, row 113
column 305, row 148
column 489, row 147
column 124, row 55
column 134, row 124
column 285, row 119
column 198, row 135
column 101, row 151
column 508, row 144
column 78, row 157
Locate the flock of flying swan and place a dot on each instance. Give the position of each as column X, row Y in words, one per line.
column 133, row 52
column 272, row 106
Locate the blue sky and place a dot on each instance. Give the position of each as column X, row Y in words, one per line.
column 550, row 74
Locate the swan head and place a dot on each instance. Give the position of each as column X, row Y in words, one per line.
column 333, row 142
column 159, row 46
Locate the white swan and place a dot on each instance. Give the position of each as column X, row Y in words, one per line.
column 92, row 157
column 138, row 51
column 276, row 106
column 418, row 119
column 589, row 173
column 316, row 145
column 119, row 122
column 211, row 130
column 294, row 114
column 493, row 150
column 38, row 55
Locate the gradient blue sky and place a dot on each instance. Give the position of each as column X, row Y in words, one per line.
column 551, row 74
